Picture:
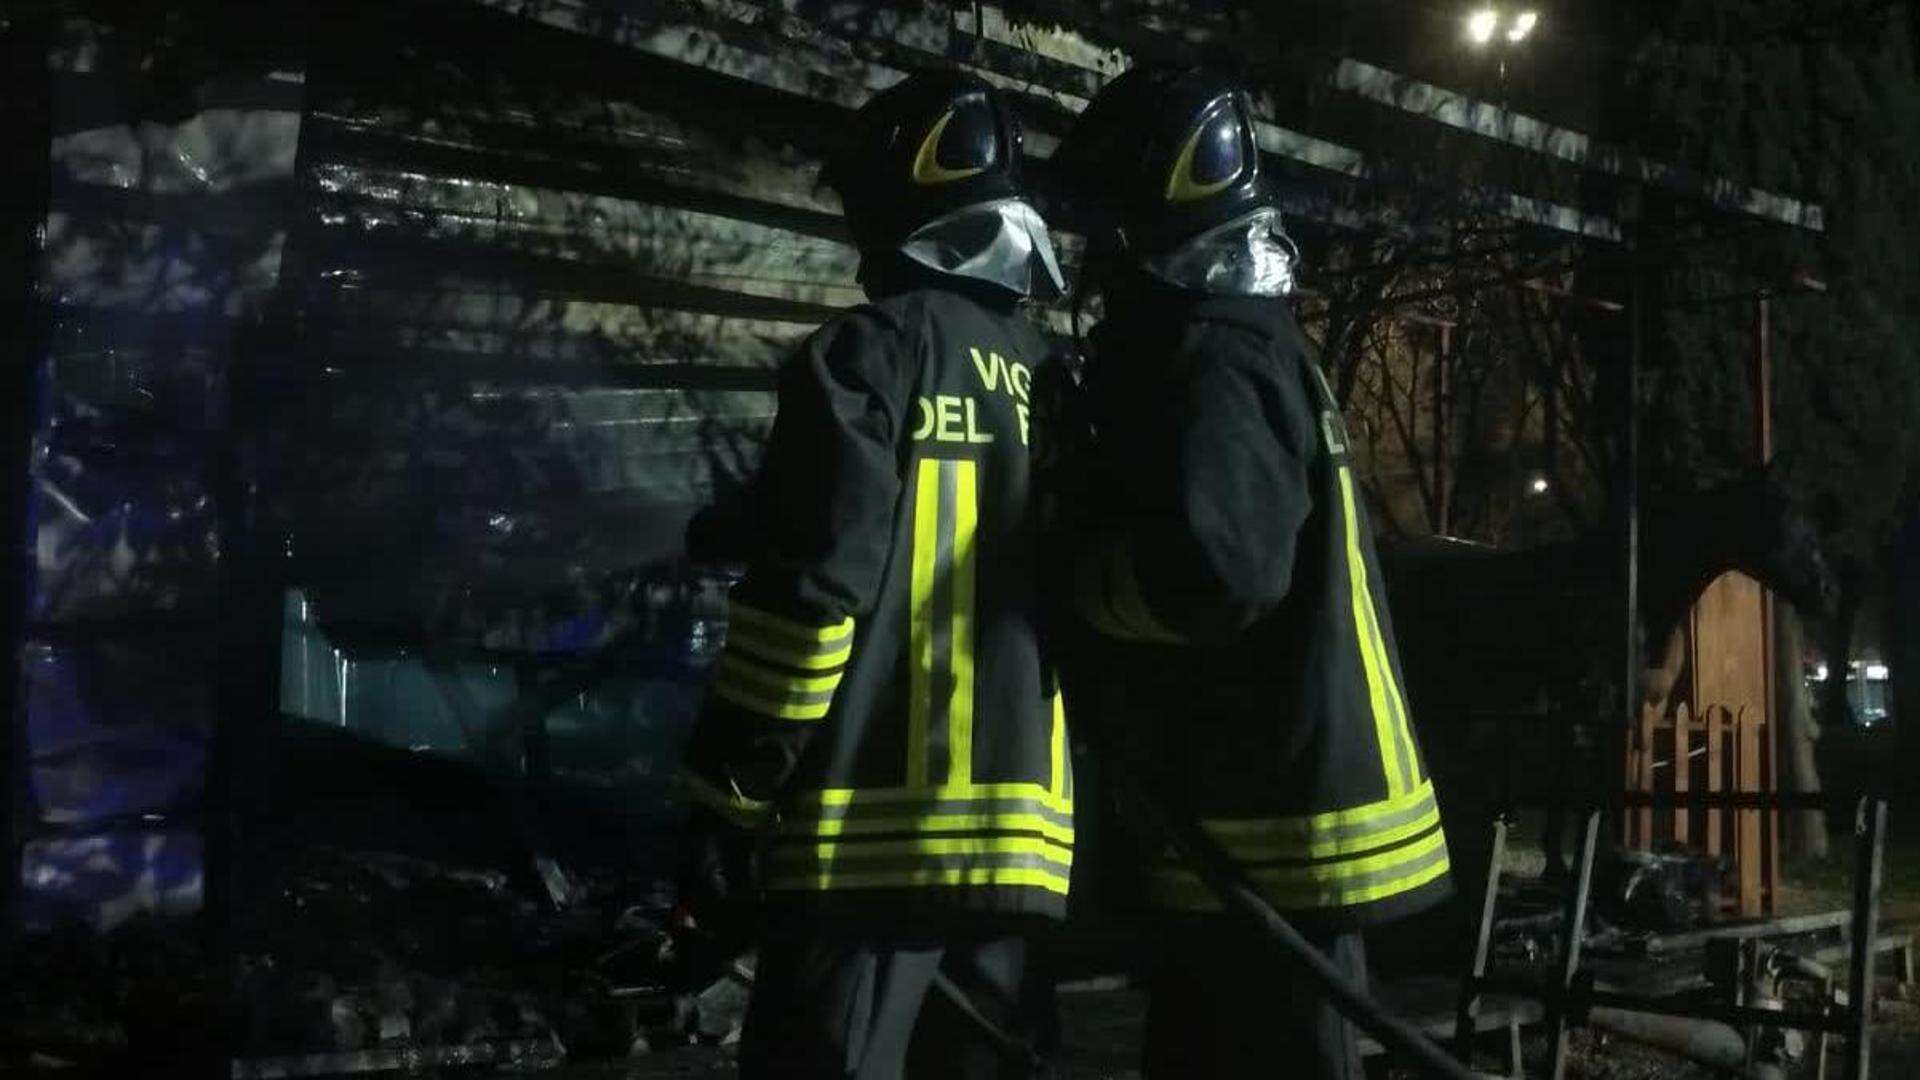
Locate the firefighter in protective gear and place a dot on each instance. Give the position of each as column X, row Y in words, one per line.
column 880, row 713
column 1225, row 573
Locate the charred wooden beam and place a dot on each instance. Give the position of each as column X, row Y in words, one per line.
column 26, row 115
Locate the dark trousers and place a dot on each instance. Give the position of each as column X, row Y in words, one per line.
column 1222, row 1007
column 857, row 1003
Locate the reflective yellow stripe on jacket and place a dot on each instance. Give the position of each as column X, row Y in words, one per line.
column 1329, row 860
column 781, row 668
column 940, row 828
column 1387, row 704
column 940, row 634
column 1382, row 694
column 973, row 834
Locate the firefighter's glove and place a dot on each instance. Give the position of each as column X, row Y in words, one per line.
column 718, row 879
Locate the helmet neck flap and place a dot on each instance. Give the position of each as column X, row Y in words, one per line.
column 1248, row 256
column 1003, row 242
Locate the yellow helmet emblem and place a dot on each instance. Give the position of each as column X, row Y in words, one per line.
column 927, row 169
column 1181, row 186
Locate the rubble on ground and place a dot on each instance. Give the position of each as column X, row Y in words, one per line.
column 357, row 953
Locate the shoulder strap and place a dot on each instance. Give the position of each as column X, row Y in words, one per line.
column 1333, row 428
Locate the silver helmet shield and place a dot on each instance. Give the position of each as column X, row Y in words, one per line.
column 1004, row 242
column 1248, row 256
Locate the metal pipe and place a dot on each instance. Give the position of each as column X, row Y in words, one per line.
column 1726, row 1014
column 1464, row 1027
column 1721, row 800
column 1798, row 924
column 1804, row 967
column 1629, row 495
column 1520, row 924
column 1820, row 1046
column 1442, row 439
column 1735, row 800
column 1706, row 1042
column 1667, row 1006
column 1871, row 826
column 1570, row 942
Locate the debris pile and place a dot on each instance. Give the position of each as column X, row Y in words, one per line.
column 1655, row 944
column 361, row 951
column 367, row 951
column 72, row 997
column 1659, row 891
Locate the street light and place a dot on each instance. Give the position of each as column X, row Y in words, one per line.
column 1482, row 24
column 1485, row 24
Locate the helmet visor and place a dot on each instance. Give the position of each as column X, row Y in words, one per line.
column 963, row 142
column 1217, row 155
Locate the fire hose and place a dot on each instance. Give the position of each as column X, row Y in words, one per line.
column 1153, row 816
column 1059, row 395
column 1159, row 821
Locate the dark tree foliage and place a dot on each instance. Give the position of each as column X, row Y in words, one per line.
column 1818, row 99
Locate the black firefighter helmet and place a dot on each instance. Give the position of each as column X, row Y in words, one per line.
column 1161, row 155
column 919, row 149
